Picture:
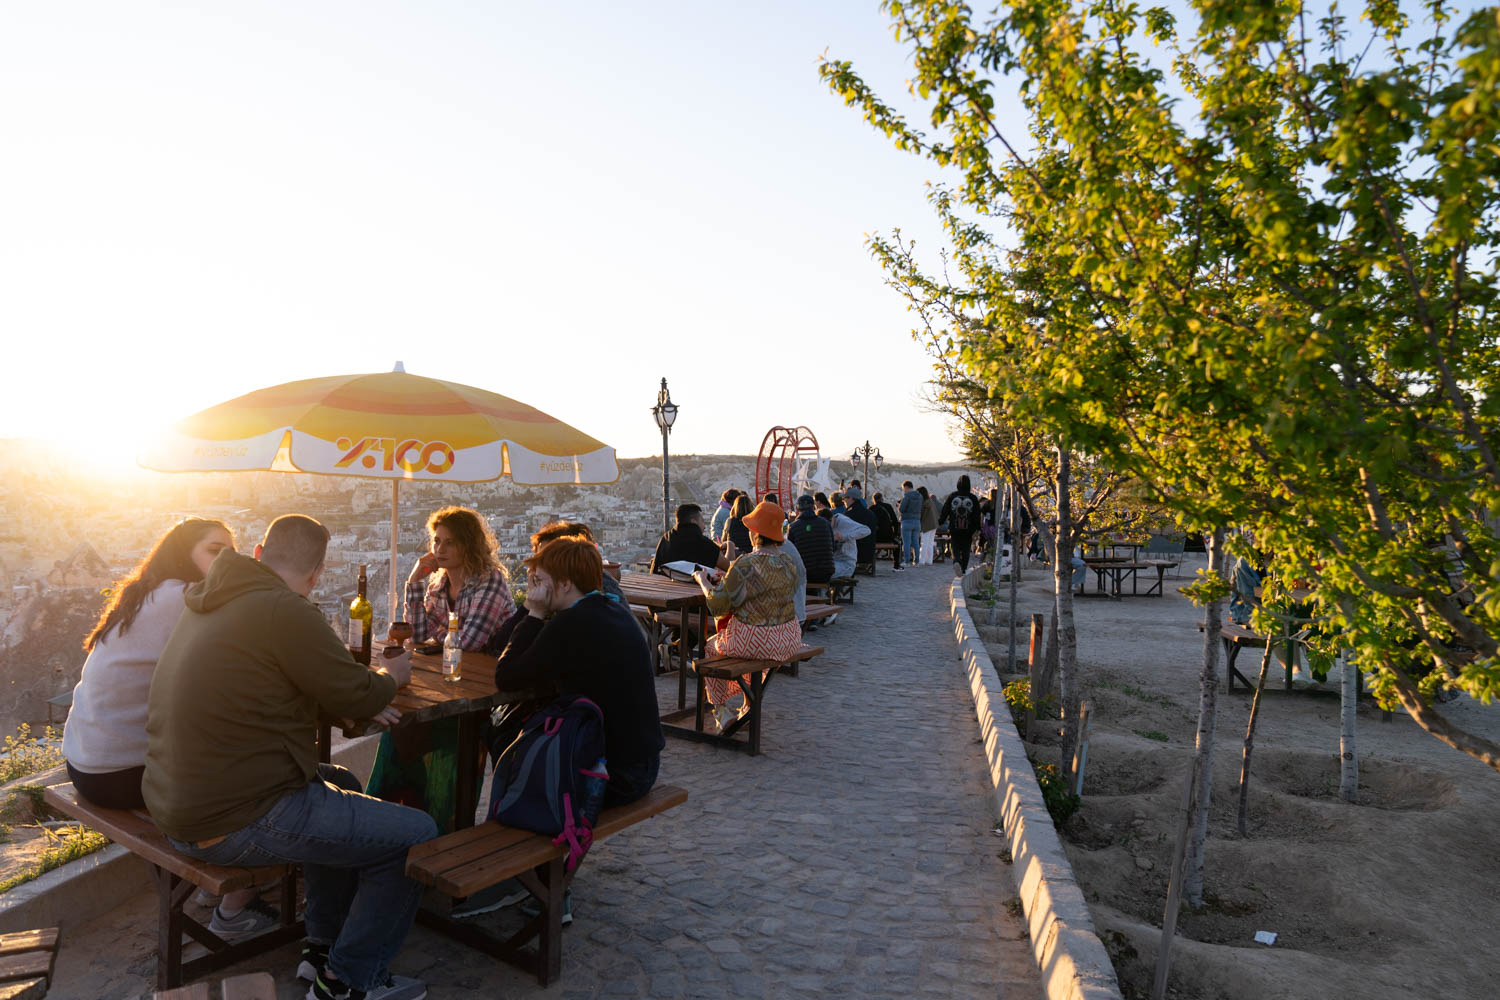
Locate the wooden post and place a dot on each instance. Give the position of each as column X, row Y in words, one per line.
column 1035, row 674
column 1081, row 749
column 1174, row 888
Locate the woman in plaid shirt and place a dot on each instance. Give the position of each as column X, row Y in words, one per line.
column 461, row 573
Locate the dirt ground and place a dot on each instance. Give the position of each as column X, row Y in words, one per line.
column 1392, row 897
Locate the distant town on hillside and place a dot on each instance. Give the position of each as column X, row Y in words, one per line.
column 67, row 534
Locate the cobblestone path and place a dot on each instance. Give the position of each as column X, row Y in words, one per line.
column 854, row 858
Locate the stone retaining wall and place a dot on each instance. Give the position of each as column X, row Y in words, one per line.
column 1071, row 957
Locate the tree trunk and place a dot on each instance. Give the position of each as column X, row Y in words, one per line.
column 1208, row 705
column 1348, row 759
column 1260, row 685
column 1065, row 630
column 1015, row 574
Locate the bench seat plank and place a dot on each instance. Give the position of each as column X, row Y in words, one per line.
column 175, row 874
column 140, row 836
column 38, row 940
column 466, row 861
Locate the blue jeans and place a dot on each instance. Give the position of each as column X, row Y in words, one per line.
column 352, row 849
column 911, row 540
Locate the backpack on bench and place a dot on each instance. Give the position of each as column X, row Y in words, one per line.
column 547, row 781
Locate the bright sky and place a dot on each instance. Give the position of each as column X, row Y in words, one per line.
column 560, row 203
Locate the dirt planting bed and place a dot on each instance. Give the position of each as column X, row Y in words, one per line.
column 1391, row 897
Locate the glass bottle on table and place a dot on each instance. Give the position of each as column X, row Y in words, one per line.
column 453, row 653
column 361, row 621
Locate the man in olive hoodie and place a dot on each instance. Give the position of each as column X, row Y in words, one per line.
column 232, row 773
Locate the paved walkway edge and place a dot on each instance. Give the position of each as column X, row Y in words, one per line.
column 1072, row 959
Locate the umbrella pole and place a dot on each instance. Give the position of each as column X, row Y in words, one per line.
column 395, row 508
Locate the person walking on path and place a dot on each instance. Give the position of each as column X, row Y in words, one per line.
column 961, row 513
column 929, row 524
column 911, row 523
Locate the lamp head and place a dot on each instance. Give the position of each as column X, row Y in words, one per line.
column 665, row 411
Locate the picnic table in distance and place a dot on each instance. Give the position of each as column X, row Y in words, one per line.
column 662, row 594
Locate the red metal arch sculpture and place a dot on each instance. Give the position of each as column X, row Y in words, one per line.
column 776, row 466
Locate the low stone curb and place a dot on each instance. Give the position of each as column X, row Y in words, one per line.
column 1072, row 959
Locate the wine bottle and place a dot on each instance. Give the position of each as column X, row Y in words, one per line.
column 453, row 653
column 361, row 619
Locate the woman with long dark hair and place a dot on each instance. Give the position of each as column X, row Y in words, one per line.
column 735, row 530
column 104, row 740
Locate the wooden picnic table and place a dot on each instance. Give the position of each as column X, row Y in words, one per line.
column 1117, row 569
column 660, row 593
column 428, row 698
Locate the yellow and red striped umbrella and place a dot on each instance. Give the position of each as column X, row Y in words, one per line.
column 389, row 425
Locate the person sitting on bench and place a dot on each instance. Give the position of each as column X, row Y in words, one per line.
column 755, row 603
column 104, row 741
column 232, row 772
column 812, row 537
column 847, row 533
column 578, row 641
column 688, row 543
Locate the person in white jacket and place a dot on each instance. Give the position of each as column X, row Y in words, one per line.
column 846, row 532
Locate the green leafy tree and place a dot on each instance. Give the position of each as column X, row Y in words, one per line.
column 1254, row 259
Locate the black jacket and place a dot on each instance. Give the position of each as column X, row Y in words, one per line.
column 887, row 524
column 686, row 542
column 864, row 548
column 594, row 649
column 973, row 512
column 813, row 537
column 738, row 534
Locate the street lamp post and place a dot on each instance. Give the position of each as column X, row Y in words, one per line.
column 865, row 452
column 665, row 413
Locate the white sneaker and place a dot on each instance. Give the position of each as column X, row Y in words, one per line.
column 257, row 916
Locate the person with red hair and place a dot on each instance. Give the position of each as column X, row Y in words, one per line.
column 578, row 640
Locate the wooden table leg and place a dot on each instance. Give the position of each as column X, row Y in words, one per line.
column 684, row 653
column 755, row 692
column 549, row 941
column 466, row 795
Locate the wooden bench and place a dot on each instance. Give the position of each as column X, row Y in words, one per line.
column 839, row 590
column 887, row 551
column 1238, row 637
column 250, row 986
column 175, row 876
column 464, row 862
column 26, row 962
column 748, row 675
column 819, row 614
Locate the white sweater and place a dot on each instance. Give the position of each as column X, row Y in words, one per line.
column 106, row 729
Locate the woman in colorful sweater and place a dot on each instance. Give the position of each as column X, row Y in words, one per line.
column 755, row 603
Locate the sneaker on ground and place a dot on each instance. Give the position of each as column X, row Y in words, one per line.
column 393, row 988
column 257, row 916
column 205, row 898
column 314, row 961
column 506, row 893
column 534, row 907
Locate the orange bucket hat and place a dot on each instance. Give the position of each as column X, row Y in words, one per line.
column 766, row 520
